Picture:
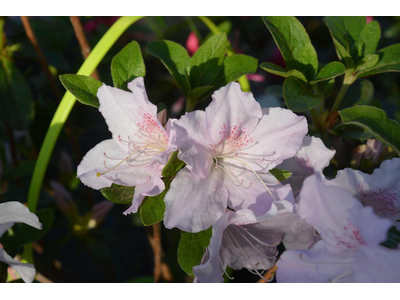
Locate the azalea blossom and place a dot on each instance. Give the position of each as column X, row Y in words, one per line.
column 312, row 157
column 138, row 150
column 241, row 240
column 229, row 149
column 11, row 213
column 380, row 190
column 350, row 236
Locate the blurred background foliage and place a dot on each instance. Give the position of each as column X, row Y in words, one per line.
column 88, row 239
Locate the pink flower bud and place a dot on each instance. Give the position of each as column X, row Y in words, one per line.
column 192, row 43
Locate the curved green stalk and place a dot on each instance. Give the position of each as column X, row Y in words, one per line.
column 63, row 112
column 244, row 82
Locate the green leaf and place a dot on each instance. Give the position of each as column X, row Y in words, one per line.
column 298, row 96
column 173, row 166
column 207, row 62
column 331, row 70
column 280, row 174
column 152, row 209
column 354, row 132
column 127, row 65
column 343, row 54
column 368, row 40
column 176, row 60
column 274, row 69
column 393, row 239
column 346, row 30
column 191, row 249
column 360, row 93
column 294, row 44
column 224, row 26
column 235, row 66
column 25, row 234
column 84, row 88
column 324, row 88
column 367, row 62
column 199, row 93
column 376, row 122
column 119, row 194
column 389, row 61
column 16, row 104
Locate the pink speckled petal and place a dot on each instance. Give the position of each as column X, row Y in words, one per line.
column 231, row 113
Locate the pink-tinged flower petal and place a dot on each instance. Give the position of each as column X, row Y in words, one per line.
column 278, row 135
column 101, row 159
column 256, row 77
column 194, row 204
column 151, row 188
column 314, row 265
column 369, row 19
column 381, row 190
column 312, row 157
column 27, row 271
column 300, row 234
column 341, row 220
column 192, row 43
column 193, row 142
column 131, row 117
column 14, row 212
column 232, row 116
column 211, row 270
column 377, row 264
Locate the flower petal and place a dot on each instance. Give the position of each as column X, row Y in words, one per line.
column 314, row 265
column 14, row 212
column 131, row 117
column 27, row 271
column 381, row 190
column 377, row 264
column 193, row 142
column 109, row 153
column 278, row 135
column 194, row 204
column 231, row 112
column 151, row 188
column 211, row 269
column 312, row 157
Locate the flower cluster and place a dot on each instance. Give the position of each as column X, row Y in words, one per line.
column 330, row 228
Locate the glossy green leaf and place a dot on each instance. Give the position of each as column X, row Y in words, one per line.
column 294, row 44
column 84, row 88
column 298, row 95
column 376, row 122
column 191, row 249
column 324, row 88
column 152, row 209
column 360, row 93
column 331, row 70
column 368, row 62
column 274, row 69
column 280, row 174
column 173, row 166
column 208, row 60
column 354, row 132
column 368, row 40
column 389, row 61
column 199, row 93
column 16, row 104
column 25, row 234
column 343, row 54
column 176, row 60
column 119, row 194
column 127, row 65
column 235, row 66
column 346, row 30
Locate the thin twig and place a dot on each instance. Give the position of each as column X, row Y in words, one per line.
column 268, row 275
column 161, row 269
column 80, row 35
column 42, row 59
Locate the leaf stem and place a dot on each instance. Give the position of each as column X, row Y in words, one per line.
column 347, row 81
column 64, row 110
column 244, row 82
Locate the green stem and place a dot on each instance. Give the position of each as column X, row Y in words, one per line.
column 64, row 110
column 244, row 82
column 347, row 81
